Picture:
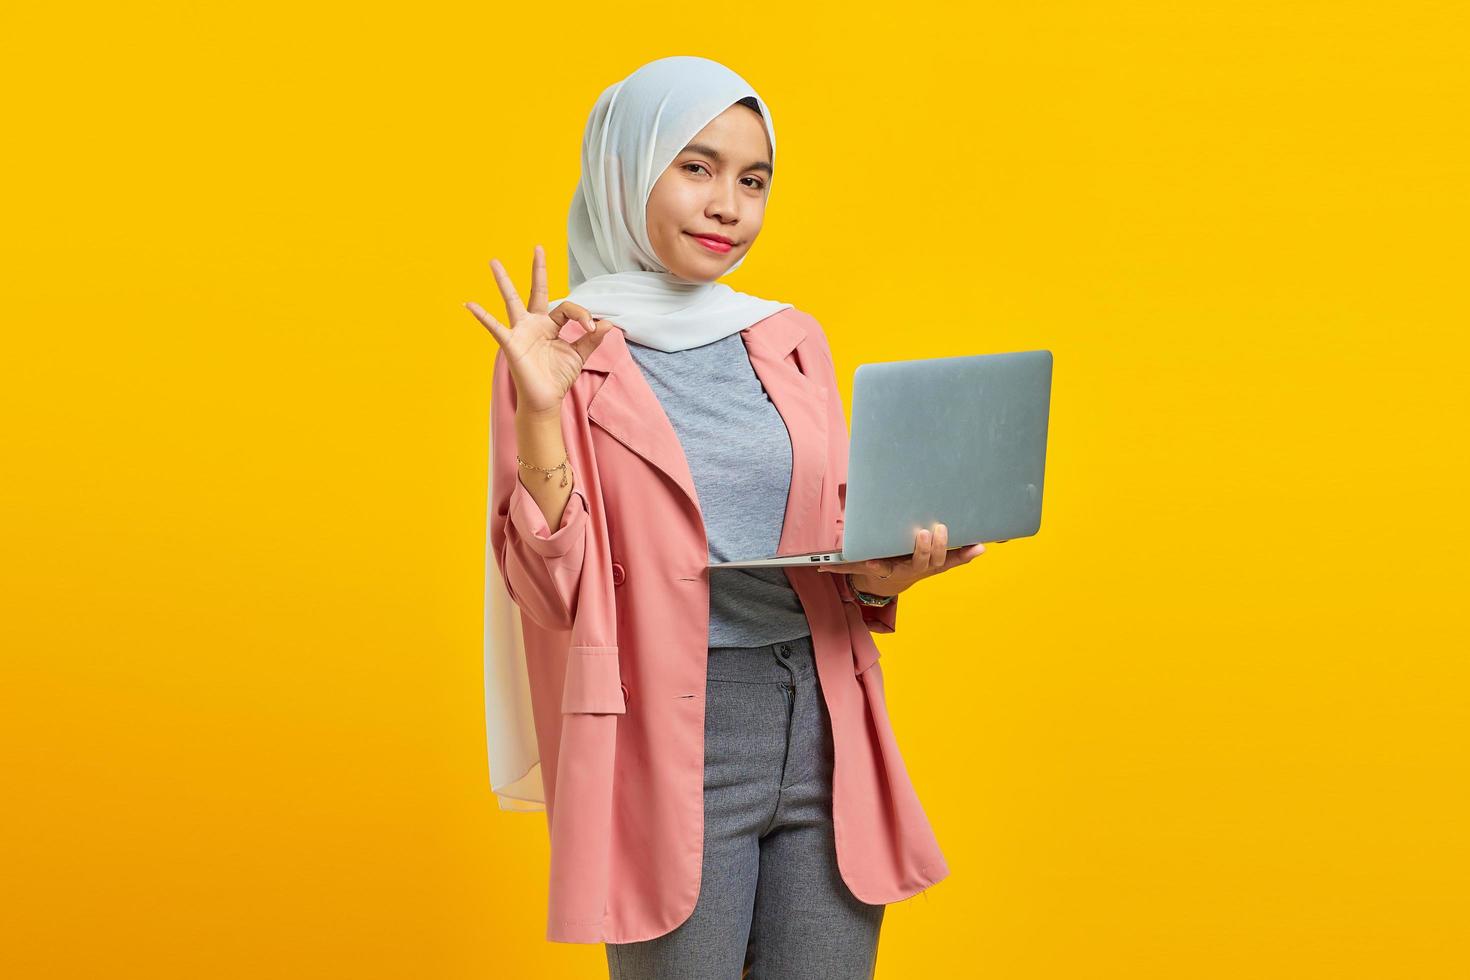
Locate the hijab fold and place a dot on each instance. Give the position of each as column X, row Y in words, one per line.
column 636, row 129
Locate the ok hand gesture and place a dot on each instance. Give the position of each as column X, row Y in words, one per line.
column 542, row 365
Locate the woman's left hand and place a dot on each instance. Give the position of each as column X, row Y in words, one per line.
column 890, row 576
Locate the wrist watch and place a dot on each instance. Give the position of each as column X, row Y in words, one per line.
column 865, row 598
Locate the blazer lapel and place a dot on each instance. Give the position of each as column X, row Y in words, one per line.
column 801, row 398
column 627, row 409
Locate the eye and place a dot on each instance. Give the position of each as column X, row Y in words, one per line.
column 758, row 185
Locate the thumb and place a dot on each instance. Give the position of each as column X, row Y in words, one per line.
column 591, row 340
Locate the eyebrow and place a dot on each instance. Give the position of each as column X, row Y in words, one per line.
column 715, row 155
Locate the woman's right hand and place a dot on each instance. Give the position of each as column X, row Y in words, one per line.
column 542, row 365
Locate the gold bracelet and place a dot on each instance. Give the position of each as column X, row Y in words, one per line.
column 548, row 470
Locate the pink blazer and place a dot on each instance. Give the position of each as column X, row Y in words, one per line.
column 615, row 614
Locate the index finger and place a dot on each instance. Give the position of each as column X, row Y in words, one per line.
column 568, row 310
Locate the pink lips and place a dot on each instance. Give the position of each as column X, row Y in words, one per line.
column 712, row 244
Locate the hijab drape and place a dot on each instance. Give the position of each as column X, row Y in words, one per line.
column 635, row 130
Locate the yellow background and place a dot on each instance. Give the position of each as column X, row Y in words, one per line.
column 1210, row 722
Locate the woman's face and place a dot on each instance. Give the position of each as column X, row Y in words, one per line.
column 716, row 186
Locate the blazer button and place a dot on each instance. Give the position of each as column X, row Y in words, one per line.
column 618, row 574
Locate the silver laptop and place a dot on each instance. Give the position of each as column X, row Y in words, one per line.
column 957, row 440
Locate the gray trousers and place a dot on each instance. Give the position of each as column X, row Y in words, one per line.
column 772, row 904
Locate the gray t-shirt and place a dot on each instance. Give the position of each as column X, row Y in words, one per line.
column 739, row 454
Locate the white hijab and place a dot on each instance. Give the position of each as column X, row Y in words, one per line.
column 635, row 130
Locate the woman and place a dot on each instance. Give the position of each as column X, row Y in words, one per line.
column 711, row 746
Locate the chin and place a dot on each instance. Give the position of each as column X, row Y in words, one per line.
column 705, row 277
column 704, row 271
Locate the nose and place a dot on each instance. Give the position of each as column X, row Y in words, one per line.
column 721, row 205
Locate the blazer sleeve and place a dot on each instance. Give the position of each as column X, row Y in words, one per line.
column 542, row 568
column 880, row 619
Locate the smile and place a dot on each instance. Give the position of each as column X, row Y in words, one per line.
column 712, row 244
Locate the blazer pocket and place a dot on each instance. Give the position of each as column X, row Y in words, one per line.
column 592, row 684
